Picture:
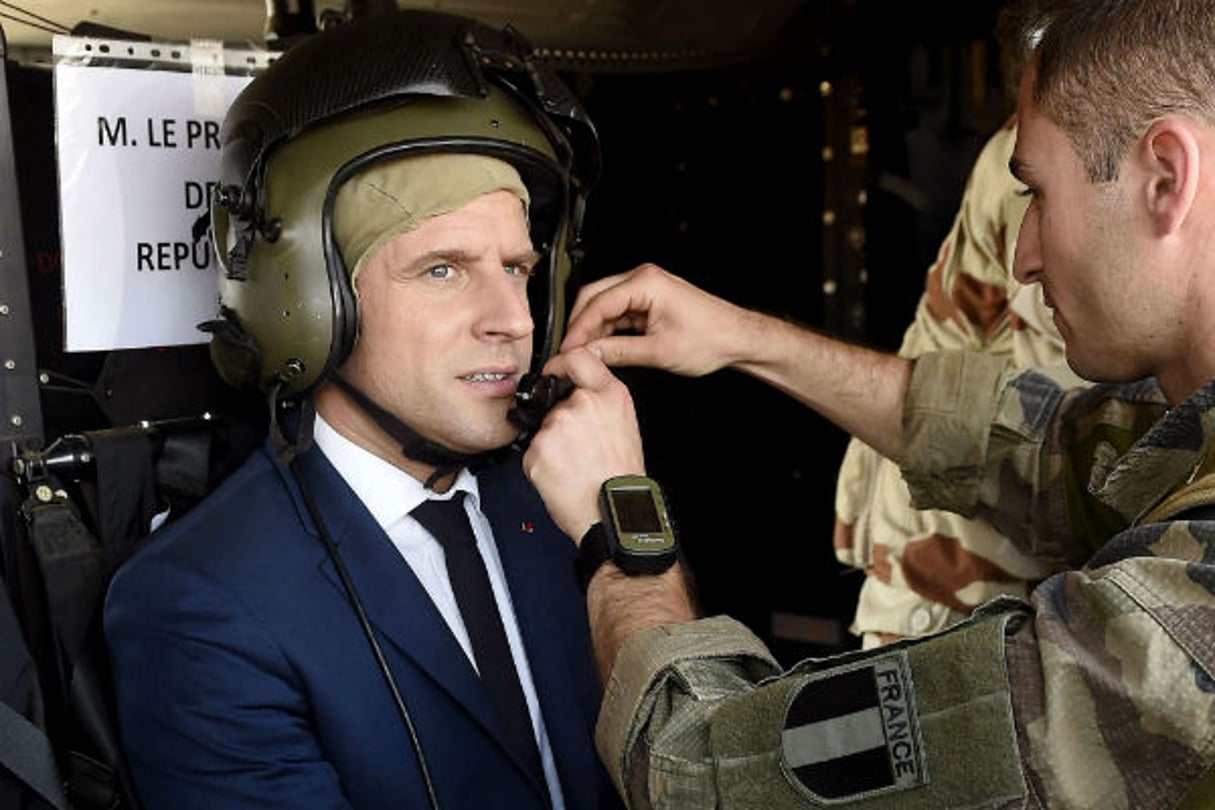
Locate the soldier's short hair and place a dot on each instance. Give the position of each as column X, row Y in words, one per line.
column 1108, row 68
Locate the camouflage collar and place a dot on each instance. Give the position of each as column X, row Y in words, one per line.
column 1165, row 459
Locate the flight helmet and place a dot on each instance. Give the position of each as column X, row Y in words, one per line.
column 373, row 89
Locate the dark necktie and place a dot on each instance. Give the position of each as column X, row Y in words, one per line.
column 448, row 522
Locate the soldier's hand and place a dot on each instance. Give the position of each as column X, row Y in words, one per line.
column 680, row 328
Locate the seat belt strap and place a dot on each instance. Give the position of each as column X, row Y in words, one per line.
column 69, row 560
column 26, row 751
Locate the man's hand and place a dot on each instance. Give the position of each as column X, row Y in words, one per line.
column 683, row 329
column 585, row 440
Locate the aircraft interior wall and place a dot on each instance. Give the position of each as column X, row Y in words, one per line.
column 721, row 175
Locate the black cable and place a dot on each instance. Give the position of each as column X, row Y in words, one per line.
column 361, row 612
column 19, row 21
column 57, row 28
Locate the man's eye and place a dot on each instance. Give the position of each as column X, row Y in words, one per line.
column 518, row 270
column 441, row 272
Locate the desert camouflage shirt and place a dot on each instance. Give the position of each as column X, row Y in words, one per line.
column 1097, row 692
column 926, row 569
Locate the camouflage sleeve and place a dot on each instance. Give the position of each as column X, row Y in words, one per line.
column 664, row 689
column 1115, row 702
column 1019, row 449
column 885, row 727
column 1100, row 694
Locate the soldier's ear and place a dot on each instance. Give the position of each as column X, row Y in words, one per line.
column 1168, row 154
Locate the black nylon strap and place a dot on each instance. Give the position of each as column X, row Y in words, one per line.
column 70, row 563
column 26, row 752
column 593, row 552
column 413, row 444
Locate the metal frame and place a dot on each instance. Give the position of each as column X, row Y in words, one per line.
column 20, row 407
column 100, row 51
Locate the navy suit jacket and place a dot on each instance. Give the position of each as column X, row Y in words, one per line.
column 243, row 678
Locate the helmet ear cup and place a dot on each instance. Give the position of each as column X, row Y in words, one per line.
column 548, row 299
column 346, row 316
column 234, row 353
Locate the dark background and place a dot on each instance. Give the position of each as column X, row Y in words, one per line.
column 719, row 174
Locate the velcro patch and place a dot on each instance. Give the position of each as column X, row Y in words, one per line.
column 855, row 731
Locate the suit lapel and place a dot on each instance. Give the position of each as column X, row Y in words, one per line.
column 395, row 601
column 396, row 604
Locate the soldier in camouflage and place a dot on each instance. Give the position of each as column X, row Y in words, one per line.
column 1097, row 691
column 928, row 569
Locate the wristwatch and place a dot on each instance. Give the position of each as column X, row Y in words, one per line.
column 636, row 532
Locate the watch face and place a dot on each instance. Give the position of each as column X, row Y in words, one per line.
column 635, row 511
column 637, row 516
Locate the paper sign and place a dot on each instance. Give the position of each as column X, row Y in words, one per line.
column 138, row 156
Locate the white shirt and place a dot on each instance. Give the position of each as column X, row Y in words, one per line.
column 390, row 494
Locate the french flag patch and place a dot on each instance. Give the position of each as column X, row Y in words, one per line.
column 855, row 732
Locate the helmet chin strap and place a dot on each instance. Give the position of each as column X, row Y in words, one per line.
column 414, row 445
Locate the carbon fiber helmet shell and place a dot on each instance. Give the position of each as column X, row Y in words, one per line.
column 375, row 89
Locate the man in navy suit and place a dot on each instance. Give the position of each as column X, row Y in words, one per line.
column 398, row 197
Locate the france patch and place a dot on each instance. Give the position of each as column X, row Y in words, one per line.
column 855, row 732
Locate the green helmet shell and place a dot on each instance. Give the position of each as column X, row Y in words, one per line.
column 378, row 88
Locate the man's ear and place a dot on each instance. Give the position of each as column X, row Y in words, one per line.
column 1170, row 155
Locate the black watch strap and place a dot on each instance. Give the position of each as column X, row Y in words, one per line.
column 593, row 552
